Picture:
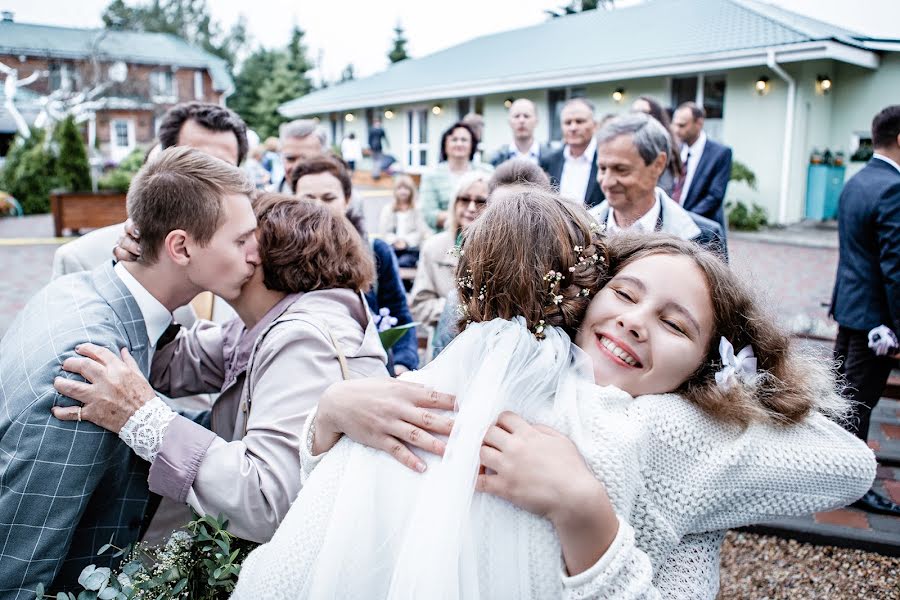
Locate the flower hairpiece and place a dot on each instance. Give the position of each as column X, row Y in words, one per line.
column 466, row 280
column 539, row 329
column 456, row 251
column 735, row 368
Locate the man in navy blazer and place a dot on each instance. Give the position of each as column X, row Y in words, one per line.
column 573, row 168
column 707, row 166
column 867, row 288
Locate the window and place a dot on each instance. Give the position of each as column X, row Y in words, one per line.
column 684, row 89
column 121, row 138
column 462, row 108
column 417, row 137
column 121, row 133
column 60, row 77
column 162, row 84
column 706, row 90
column 555, row 101
column 198, row 85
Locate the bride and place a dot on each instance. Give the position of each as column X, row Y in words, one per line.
column 624, row 477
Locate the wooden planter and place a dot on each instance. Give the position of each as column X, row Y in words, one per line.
column 86, row 210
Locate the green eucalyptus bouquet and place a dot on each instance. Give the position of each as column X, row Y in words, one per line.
column 200, row 563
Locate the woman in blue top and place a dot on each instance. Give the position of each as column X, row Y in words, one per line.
column 325, row 179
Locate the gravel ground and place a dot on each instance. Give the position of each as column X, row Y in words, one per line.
column 758, row 567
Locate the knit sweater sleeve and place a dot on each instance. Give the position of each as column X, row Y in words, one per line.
column 708, row 475
column 625, row 572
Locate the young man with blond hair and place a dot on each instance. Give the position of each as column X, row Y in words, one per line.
column 69, row 487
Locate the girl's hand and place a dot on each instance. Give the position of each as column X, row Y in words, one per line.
column 385, row 414
column 540, row 470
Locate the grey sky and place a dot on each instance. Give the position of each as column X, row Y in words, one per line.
column 360, row 32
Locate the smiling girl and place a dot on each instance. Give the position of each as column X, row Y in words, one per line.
column 627, row 481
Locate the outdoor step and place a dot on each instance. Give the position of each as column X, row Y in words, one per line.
column 884, row 431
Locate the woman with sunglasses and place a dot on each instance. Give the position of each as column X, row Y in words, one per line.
column 435, row 277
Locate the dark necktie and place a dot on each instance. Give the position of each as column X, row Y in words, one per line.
column 168, row 335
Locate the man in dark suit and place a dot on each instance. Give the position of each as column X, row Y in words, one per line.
column 632, row 152
column 522, row 121
column 573, row 169
column 867, row 288
column 707, row 166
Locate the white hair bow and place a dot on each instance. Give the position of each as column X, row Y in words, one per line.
column 735, row 368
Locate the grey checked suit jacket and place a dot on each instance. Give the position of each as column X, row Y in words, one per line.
column 66, row 488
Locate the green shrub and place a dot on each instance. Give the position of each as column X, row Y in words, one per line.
column 742, row 218
column 30, row 172
column 72, row 167
column 741, row 172
column 118, row 179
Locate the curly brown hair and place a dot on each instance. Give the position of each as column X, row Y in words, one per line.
column 508, row 252
column 791, row 381
column 304, row 247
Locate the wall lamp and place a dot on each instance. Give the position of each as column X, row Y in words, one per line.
column 349, row 117
column 436, row 109
column 823, row 84
column 619, row 95
column 762, row 85
column 508, row 102
column 388, row 114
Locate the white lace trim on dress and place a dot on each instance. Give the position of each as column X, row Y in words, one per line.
column 145, row 430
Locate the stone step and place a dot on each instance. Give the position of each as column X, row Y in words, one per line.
column 884, row 431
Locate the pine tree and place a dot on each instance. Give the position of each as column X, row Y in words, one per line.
column 281, row 85
column 73, row 171
column 398, row 52
column 347, row 74
column 255, row 71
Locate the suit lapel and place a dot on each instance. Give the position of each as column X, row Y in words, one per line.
column 703, row 167
column 116, row 294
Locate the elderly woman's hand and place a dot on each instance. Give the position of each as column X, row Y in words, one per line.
column 385, row 414
column 114, row 388
column 128, row 248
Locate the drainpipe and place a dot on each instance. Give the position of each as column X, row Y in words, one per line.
column 788, row 136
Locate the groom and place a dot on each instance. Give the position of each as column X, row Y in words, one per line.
column 69, row 487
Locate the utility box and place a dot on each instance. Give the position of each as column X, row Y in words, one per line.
column 823, row 190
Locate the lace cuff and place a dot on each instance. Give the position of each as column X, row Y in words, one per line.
column 145, row 430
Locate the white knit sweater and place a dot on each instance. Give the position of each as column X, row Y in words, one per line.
column 676, row 477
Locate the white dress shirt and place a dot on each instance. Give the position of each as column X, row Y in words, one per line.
column 576, row 173
column 690, row 156
column 156, row 316
column 887, row 160
column 645, row 223
column 533, row 154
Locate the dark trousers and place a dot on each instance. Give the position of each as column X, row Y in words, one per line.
column 865, row 374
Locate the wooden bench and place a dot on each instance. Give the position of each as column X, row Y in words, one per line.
column 86, row 210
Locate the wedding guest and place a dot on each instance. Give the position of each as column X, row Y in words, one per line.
column 573, row 168
column 523, row 121
column 707, row 166
column 866, row 296
column 674, row 169
column 435, row 276
column 351, row 151
column 325, row 180
column 476, row 122
column 70, row 487
column 255, row 169
column 303, row 325
column 401, row 224
column 301, row 139
column 377, row 141
column 438, row 184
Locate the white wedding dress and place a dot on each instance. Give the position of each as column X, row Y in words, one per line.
column 365, row 527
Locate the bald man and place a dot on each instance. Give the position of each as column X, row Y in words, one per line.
column 522, row 121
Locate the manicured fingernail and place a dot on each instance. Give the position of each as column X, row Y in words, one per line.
column 137, row 232
column 420, row 467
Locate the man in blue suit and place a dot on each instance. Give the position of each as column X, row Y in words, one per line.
column 707, row 166
column 867, row 288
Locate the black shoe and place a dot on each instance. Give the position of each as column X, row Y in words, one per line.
column 875, row 502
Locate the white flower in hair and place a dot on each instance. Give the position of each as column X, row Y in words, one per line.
column 735, row 368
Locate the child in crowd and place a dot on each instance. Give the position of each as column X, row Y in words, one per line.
column 401, row 224
column 702, row 418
